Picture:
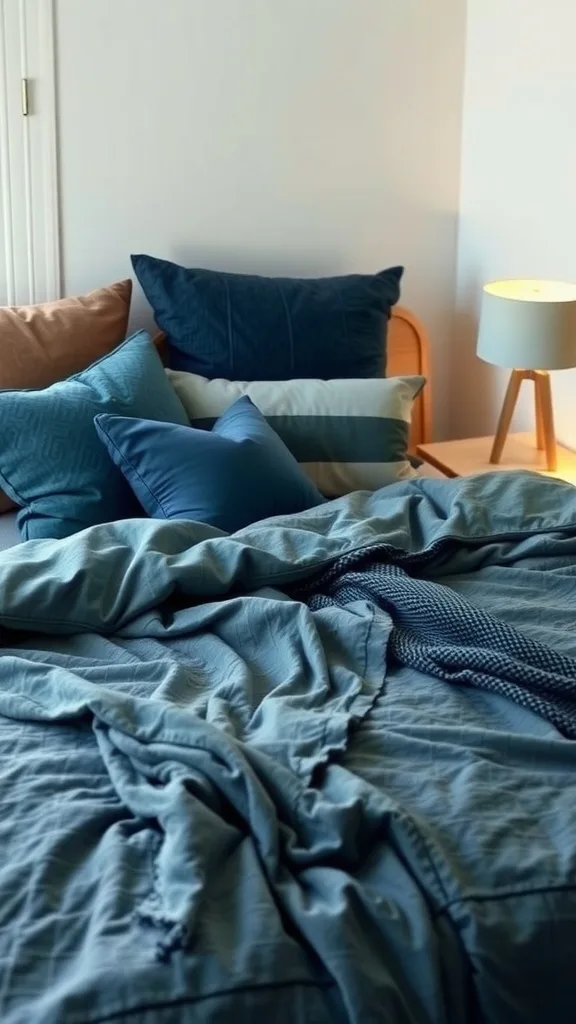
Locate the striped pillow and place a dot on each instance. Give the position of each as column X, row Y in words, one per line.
column 348, row 435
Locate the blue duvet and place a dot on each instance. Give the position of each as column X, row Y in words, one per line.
column 221, row 804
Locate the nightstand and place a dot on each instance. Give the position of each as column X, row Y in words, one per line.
column 464, row 458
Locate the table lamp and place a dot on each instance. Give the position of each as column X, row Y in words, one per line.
column 529, row 327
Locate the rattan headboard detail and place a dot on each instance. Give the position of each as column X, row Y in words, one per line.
column 407, row 353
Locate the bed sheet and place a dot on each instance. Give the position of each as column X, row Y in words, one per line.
column 218, row 804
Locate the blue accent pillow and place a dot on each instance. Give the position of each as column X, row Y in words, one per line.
column 51, row 460
column 244, row 327
column 235, row 474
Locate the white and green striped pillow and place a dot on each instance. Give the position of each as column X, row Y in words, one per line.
column 348, row 435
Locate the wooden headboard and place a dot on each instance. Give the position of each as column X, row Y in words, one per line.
column 408, row 352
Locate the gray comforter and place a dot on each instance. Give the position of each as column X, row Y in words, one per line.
column 218, row 804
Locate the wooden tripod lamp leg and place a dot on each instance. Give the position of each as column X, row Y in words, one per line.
column 510, row 399
column 544, row 399
column 539, row 421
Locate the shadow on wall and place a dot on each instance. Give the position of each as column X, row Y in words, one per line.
column 473, row 387
column 271, row 263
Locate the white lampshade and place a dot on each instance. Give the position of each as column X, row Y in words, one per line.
column 529, row 325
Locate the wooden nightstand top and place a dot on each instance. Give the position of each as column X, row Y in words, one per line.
column 463, row 458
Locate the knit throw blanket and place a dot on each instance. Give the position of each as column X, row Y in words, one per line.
column 440, row 633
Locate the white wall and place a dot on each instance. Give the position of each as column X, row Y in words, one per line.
column 518, row 200
column 309, row 136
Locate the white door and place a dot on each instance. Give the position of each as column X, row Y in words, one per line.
column 29, row 242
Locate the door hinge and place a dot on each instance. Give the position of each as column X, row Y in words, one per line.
column 25, row 98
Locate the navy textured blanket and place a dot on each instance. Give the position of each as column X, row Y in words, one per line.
column 441, row 633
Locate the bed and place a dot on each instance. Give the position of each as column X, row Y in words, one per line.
column 321, row 770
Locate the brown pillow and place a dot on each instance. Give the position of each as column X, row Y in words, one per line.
column 50, row 341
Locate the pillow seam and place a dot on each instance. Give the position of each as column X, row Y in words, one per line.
column 289, row 325
column 229, row 320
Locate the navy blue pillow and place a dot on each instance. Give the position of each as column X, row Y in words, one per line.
column 231, row 476
column 244, row 327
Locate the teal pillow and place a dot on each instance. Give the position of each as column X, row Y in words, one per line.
column 51, row 459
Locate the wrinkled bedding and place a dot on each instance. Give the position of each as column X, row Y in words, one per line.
column 220, row 804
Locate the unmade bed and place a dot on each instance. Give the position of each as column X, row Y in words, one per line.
column 321, row 770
